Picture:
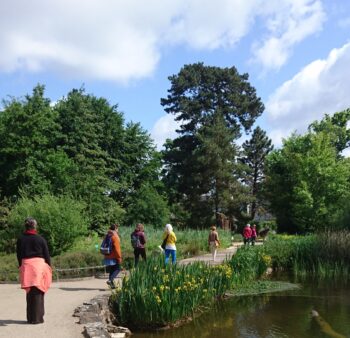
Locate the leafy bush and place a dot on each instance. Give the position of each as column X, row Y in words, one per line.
column 60, row 220
column 8, row 268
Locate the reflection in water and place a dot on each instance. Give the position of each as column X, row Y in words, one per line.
column 275, row 315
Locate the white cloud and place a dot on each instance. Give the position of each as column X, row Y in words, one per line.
column 320, row 87
column 346, row 152
column 288, row 23
column 165, row 127
column 123, row 40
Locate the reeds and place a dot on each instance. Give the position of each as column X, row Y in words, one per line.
column 154, row 295
column 324, row 255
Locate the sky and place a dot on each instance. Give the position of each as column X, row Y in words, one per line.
column 296, row 52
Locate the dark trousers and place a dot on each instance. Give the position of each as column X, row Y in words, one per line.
column 113, row 271
column 35, row 306
column 137, row 253
column 246, row 240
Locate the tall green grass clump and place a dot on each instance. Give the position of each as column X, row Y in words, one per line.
column 249, row 263
column 154, row 296
column 321, row 255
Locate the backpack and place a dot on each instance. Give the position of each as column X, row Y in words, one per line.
column 106, row 245
column 135, row 240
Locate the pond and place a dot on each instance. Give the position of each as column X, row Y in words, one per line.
column 274, row 315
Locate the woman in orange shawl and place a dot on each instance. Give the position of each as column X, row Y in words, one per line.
column 35, row 270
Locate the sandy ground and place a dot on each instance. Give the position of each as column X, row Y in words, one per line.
column 60, row 302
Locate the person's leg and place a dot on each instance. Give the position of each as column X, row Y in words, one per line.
column 35, row 306
column 167, row 254
column 137, row 256
column 116, row 270
column 29, row 298
column 173, row 256
column 212, row 250
column 143, row 253
column 214, row 253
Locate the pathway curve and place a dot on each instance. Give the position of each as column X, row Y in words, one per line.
column 60, row 302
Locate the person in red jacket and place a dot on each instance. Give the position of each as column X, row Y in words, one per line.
column 247, row 234
column 254, row 235
column 114, row 259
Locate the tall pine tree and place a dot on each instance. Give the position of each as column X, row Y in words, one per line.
column 254, row 154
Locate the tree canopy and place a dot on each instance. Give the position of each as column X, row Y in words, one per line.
column 213, row 105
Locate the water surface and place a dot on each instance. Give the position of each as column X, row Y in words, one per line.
column 276, row 315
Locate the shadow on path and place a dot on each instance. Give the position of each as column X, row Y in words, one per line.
column 4, row 322
column 82, row 289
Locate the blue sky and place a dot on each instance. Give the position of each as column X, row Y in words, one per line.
column 297, row 53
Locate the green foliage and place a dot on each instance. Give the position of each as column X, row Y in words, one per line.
column 77, row 264
column 149, row 207
column 154, row 295
column 255, row 151
column 60, row 221
column 337, row 127
column 249, row 263
column 8, row 268
column 322, row 255
column 28, row 130
column 307, row 183
column 213, row 104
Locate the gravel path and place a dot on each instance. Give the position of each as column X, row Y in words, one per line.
column 60, row 302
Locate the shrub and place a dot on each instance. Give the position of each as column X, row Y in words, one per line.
column 60, row 220
column 8, row 268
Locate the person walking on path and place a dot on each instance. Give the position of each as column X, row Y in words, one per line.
column 247, row 234
column 213, row 241
column 138, row 241
column 253, row 236
column 35, row 270
column 114, row 258
column 170, row 247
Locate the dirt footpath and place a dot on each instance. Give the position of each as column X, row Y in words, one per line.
column 60, row 302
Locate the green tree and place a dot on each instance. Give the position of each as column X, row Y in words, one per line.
column 254, row 154
column 149, row 207
column 216, row 159
column 28, row 131
column 89, row 134
column 306, row 183
column 212, row 104
column 337, row 126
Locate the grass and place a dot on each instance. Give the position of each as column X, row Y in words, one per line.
column 154, row 295
column 325, row 255
column 85, row 252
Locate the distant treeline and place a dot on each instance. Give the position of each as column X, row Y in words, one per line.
column 78, row 153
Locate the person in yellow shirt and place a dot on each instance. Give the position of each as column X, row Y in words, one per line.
column 170, row 247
